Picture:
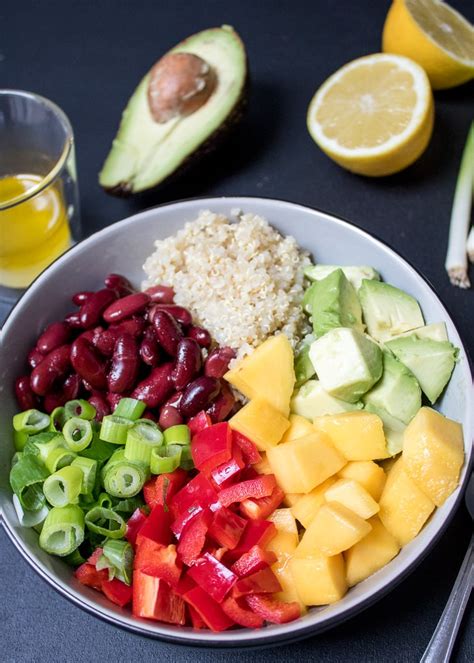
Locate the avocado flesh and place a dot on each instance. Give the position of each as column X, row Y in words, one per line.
column 436, row 331
column 353, row 273
column 393, row 428
column 144, row 152
column 311, row 401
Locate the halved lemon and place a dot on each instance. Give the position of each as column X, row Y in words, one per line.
column 434, row 35
column 374, row 116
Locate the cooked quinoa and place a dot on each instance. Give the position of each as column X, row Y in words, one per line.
column 241, row 280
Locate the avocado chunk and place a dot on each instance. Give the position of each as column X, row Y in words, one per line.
column 347, row 362
column 393, row 428
column 398, row 392
column 436, row 331
column 304, row 369
column 333, row 302
column 431, row 362
column 311, row 401
column 388, row 311
column 354, row 274
column 179, row 109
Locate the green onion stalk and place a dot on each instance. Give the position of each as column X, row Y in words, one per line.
column 63, row 530
column 141, row 440
column 63, row 487
column 26, row 480
column 122, row 477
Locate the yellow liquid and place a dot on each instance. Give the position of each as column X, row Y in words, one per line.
column 32, row 233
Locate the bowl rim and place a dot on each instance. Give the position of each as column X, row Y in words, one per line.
column 269, row 636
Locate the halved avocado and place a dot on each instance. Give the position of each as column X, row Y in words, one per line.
column 145, row 151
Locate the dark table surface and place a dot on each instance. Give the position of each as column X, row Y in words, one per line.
column 87, row 57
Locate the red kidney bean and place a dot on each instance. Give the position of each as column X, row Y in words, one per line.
column 25, row 397
column 187, row 364
column 179, row 313
column 175, row 399
column 155, row 389
column 200, row 335
column 222, row 406
column 53, row 400
column 113, row 399
column 148, row 414
column 35, row 357
column 55, row 334
column 198, row 395
column 88, row 364
column 105, row 342
column 73, row 320
column 53, row 367
column 218, row 361
column 169, row 416
column 119, row 283
column 134, row 326
column 101, row 406
column 161, row 294
column 126, row 307
column 71, row 386
column 90, row 313
column 125, row 363
column 149, row 349
column 80, row 298
column 167, row 331
column 88, row 387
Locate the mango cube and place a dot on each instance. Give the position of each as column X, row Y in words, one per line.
column 286, row 539
column 352, row 494
column 260, row 422
column 318, row 579
column 334, row 528
column 291, row 499
column 368, row 474
column 308, row 505
column 300, row 465
column 371, row 553
column 289, row 591
column 357, row 435
column 299, row 427
column 404, row 508
column 433, row 453
column 268, row 372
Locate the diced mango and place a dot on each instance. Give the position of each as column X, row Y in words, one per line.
column 307, row 506
column 433, row 453
column 268, row 372
column 318, row 579
column 299, row 426
column 263, row 466
column 371, row 553
column 260, row 422
column 404, row 508
column 334, row 528
column 300, row 465
column 368, row 474
column 358, row 435
column 353, row 495
column 286, row 539
column 289, row 591
column 291, row 499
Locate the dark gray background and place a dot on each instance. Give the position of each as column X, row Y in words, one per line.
column 88, row 57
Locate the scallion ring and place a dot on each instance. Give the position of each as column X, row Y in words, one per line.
column 130, row 408
column 141, row 439
column 80, row 409
column 63, row 530
column 105, row 522
column 31, row 421
column 77, row 433
column 165, row 459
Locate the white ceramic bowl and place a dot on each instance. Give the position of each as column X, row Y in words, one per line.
column 122, row 248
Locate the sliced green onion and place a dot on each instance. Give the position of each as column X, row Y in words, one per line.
column 29, row 518
column 165, row 459
column 129, row 505
column 99, row 450
column 30, row 421
column 88, row 468
column 87, row 502
column 80, row 409
column 77, row 433
column 141, row 439
column 63, row 487
column 130, row 408
column 43, row 444
column 122, row 477
column 147, row 422
column 58, row 419
column 104, row 500
column 74, row 559
column 177, row 435
column 187, row 462
column 16, row 458
column 20, row 438
column 26, row 479
column 63, row 530
column 58, row 458
column 119, row 555
column 114, row 429
column 105, row 522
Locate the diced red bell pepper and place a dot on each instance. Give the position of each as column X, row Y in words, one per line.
column 160, row 489
column 271, row 610
column 88, row 575
column 249, row 450
column 239, row 612
column 197, row 491
column 94, row 558
column 153, row 598
column 186, row 584
column 226, row 527
column 261, row 582
column 196, row 619
column 252, row 561
column 178, row 525
column 208, row 609
column 263, row 507
column 157, row 527
column 212, row 446
column 157, row 560
column 117, row 591
column 134, row 525
column 261, row 486
column 256, row 533
column 215, row 578
column 193, row 536
column 200, row 421
column 227, row 473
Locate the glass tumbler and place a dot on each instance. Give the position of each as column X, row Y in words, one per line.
column 39, row 202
